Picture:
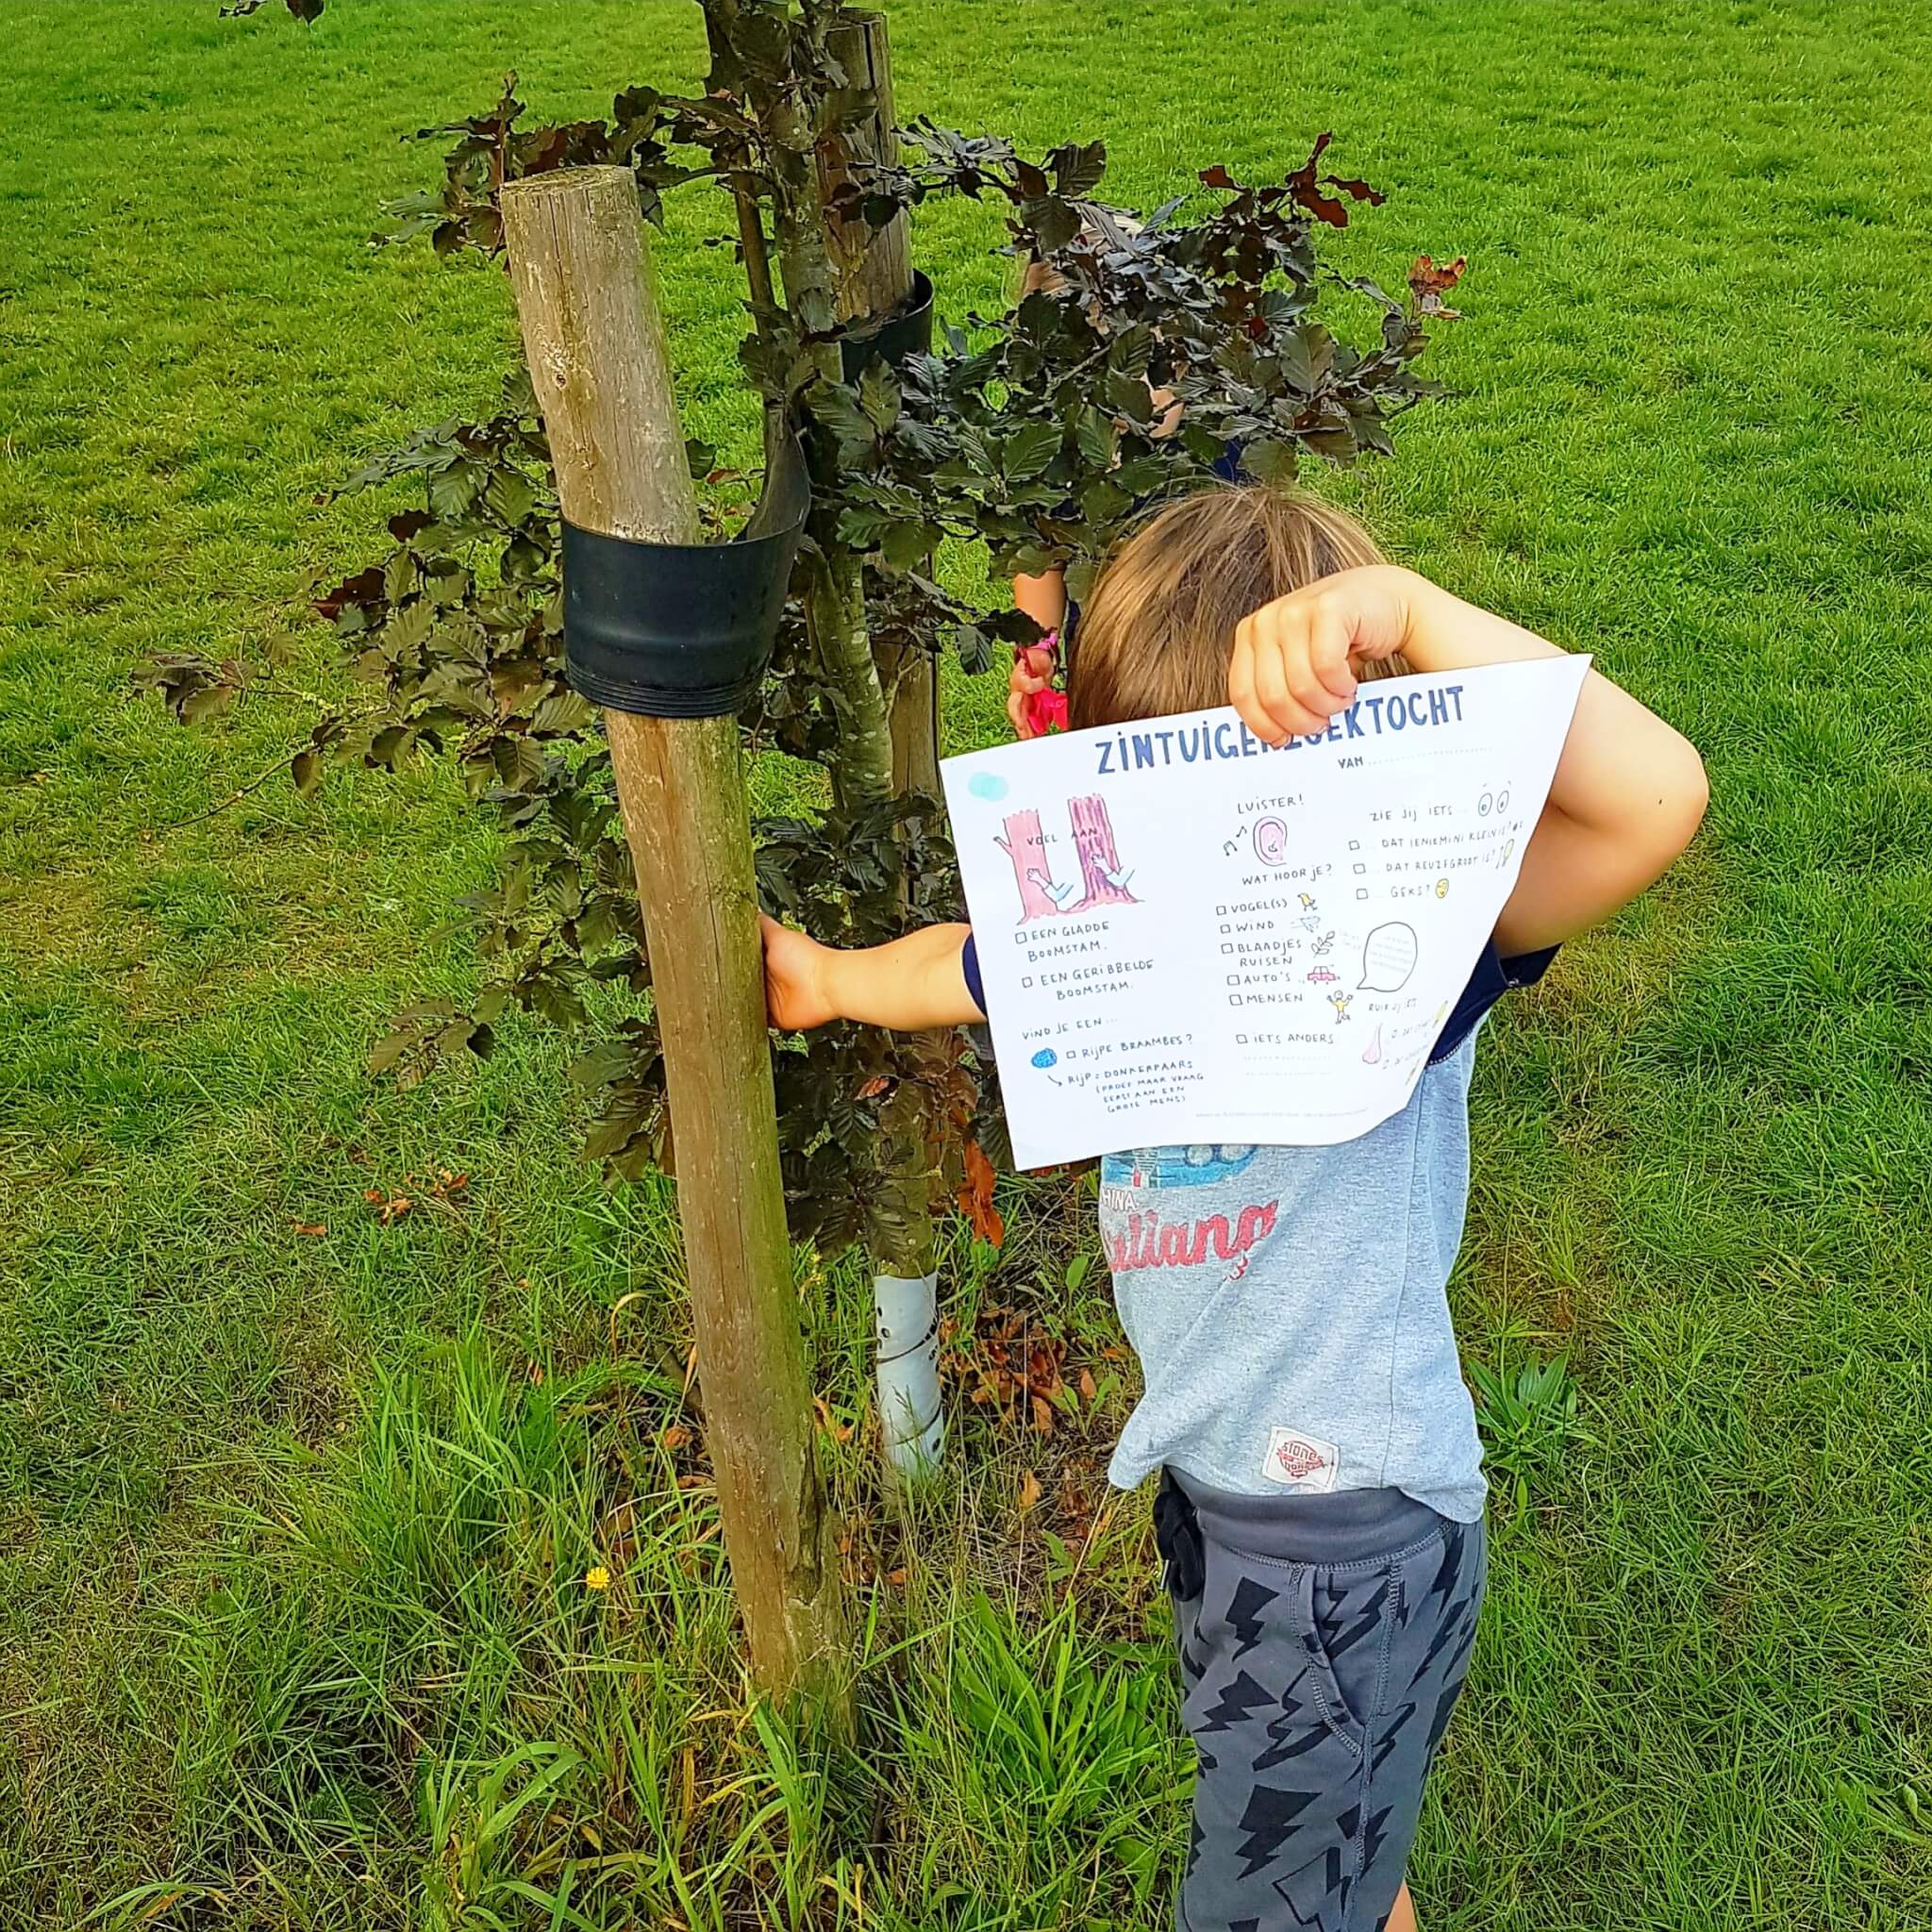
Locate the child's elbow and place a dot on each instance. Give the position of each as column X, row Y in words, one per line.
column 1684, row 796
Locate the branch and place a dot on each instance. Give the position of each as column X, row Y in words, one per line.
column 255, row 784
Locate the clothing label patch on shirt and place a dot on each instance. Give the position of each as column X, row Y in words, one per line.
column 1301, row 1462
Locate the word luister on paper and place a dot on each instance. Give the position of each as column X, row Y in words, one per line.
column 1187, row 935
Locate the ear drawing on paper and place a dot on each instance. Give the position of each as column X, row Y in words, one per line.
column 1102, row 879
column 1271, row 841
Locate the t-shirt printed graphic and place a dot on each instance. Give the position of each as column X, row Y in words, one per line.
column 1164, row 1235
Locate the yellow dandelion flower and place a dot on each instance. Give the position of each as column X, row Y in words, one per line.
column 596, row 1577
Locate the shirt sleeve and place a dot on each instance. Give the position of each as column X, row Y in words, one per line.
column 968, row 965
column 1493, row 977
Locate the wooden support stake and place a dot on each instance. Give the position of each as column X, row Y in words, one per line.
column 872, row 268
column 595, row 345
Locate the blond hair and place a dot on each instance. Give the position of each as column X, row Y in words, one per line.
column 1156, row 636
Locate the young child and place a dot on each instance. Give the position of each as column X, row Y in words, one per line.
column 1321, row 1504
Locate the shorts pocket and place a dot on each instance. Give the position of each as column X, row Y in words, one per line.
column 1347, row 1707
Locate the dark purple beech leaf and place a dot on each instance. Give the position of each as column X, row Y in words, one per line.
column 1218, row 176
column 1301, row 185
column 364, row 590
column 1357, row 191
column 1078, row 169
column 1054, row 220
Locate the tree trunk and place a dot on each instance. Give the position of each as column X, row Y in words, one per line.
column 873, row 279
column 834, row 274
column 595, row 346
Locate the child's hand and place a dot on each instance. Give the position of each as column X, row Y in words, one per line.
column 795, row 996
column 1030, row 682
column 1294, row 662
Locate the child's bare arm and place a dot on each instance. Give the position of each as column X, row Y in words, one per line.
column 907, row 985
column 1628, row 792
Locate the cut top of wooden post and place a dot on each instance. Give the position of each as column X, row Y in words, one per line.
column 598, row 358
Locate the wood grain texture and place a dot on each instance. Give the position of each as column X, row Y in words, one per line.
column 596, row 348
column 872, row 269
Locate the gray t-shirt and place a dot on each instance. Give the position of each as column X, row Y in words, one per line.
column 1288, row 1307
column 1290, row 1304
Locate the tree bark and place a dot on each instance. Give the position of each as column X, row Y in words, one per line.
column 596, row 350
column 873, row 277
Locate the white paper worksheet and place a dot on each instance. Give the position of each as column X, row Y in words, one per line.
column 1187, row 936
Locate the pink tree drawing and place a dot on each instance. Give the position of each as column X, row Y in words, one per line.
column 1100, row 863
column 1026, row 846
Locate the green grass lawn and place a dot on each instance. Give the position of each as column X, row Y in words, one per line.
column 293, row 1523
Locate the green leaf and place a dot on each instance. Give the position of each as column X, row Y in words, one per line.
column 905, row 545
column 1094, row 435
column 509, row 496
column 1270, row 461
column 518, row 763
column 1029, row 449
column 879, row 396
column 1104, row 500
column 609, row 1061
column 1306, row 353
column 390, row 1049
column 400, row 575
column 1076, row 170
column 451, row 492
column 562, row 714
column 837, row 409
column 305, row 768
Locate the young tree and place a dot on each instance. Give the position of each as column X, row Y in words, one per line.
column 1160, row 343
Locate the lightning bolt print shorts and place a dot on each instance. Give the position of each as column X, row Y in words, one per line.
column 1323, row 1640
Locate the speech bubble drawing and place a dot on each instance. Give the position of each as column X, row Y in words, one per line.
column 1271, row 841
column 1389, row 958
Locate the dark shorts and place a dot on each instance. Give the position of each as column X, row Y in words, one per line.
column 1323, row 1643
